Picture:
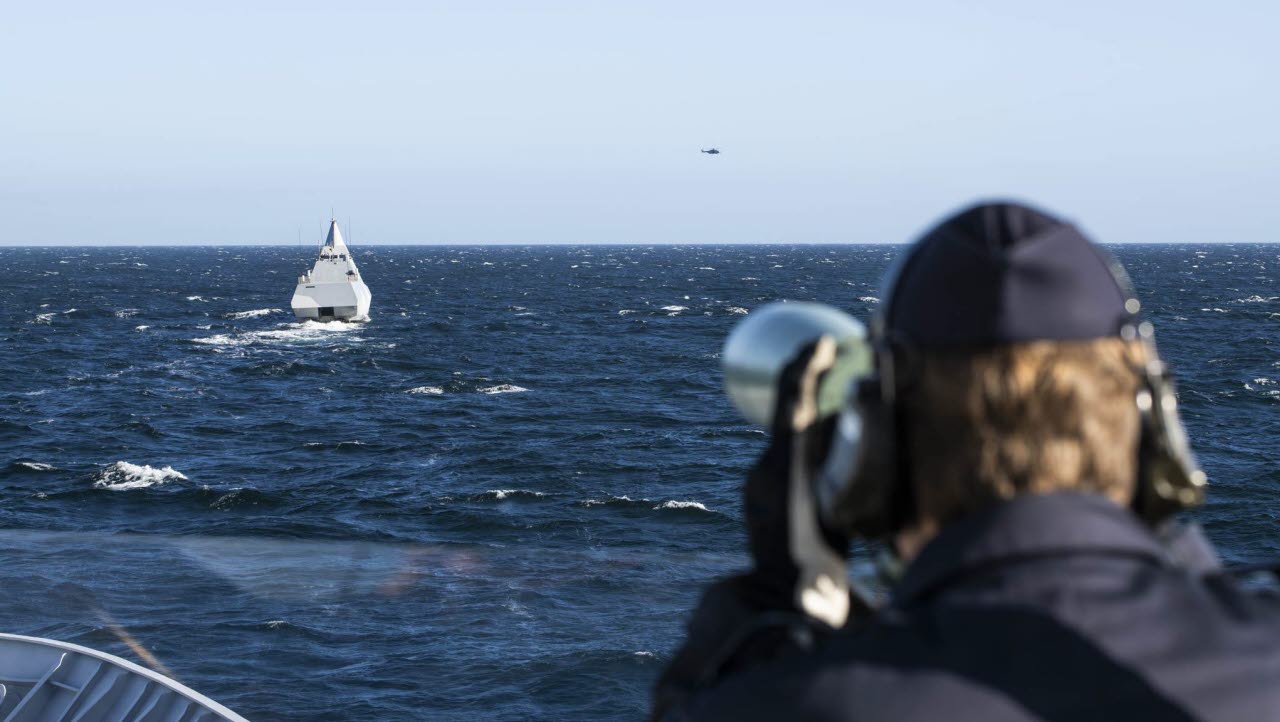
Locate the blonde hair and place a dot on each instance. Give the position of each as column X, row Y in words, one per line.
column 1027, row 418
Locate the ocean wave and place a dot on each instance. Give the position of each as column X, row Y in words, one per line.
column 430, row 390
column 868, row 299
column 502, row 389
column 673, row 504
column 201, row 299
column 613, row 501
column 252, row 314
column 1214, row 310
column 1257, row 299
column 122, row 475
column 627, row 502
column 504, row 494
column 675, row 309
column 127, row 313
column 35, row 466
column 44, row 317
column 625, row 311
column 306, row 331
column 353, row 445
column 737, row 310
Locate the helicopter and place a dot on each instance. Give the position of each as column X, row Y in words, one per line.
column 711, row 151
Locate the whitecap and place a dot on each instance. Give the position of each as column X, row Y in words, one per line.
column 645, row 654
column 285, row 333
column 1257, row 299
column 122, row 475
column 501, row 494
column 36, row 465
column 502, row 389
column 1214, row 310
column 625, row 311
column 141, row 328
column 675, row 308
column 868, row 299
column 682, row 505
column 252, row 314
column 737, row 310
column 431, row 390
column 196, row 298
column 44, row 317
column 127, row 313
column 219, row 340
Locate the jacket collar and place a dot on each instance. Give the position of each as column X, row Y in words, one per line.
column 1024, row 527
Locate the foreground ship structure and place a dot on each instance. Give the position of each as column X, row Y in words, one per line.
column 332, row 290
column 43, row 680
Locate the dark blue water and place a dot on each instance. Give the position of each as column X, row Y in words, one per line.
column 496, row 500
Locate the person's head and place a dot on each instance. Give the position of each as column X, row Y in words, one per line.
column 1017, row 365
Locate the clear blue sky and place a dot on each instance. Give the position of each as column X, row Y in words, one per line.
column 538, row 121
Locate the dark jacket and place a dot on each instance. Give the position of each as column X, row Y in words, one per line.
column 1060, row 607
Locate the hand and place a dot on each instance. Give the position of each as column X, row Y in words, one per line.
column 799, row 564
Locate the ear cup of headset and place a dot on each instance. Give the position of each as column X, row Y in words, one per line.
column 1169, row 479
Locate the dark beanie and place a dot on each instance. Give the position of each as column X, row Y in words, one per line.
column 1004, row 273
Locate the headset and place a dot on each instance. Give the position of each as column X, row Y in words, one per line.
column 862, row 488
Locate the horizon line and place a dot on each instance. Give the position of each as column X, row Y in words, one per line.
column 520, row 244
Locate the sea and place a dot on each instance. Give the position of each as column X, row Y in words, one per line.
column 499, row 498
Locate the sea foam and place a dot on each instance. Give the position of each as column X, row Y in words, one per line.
column 502, row 389
column 503, row 494
column 682, row 505
column 122, row 475
column 252, row 314
column 307, row 331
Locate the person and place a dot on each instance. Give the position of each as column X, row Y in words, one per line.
column 1018, row 453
